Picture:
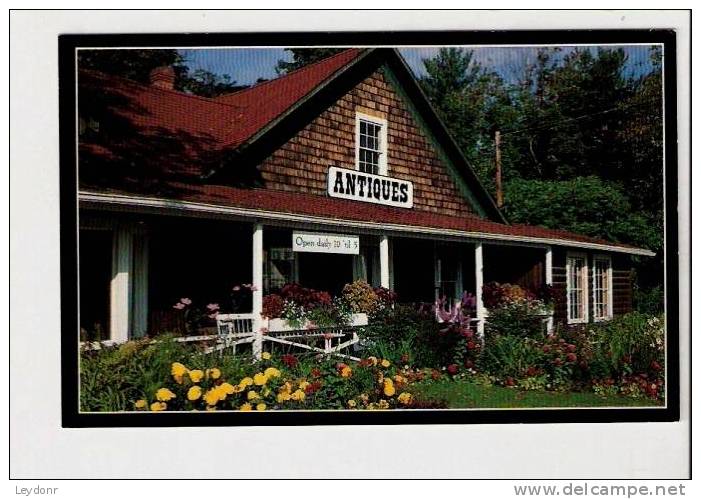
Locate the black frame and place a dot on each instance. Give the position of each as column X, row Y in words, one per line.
column 72, row 418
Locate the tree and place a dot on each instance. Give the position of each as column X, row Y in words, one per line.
column 472, row 101
column 303, row 56
column 136, row 64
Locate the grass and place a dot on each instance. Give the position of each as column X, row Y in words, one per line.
column 461, row 394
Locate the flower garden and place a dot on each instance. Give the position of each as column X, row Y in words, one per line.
column 411, row 357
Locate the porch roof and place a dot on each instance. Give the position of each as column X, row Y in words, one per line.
column 300, row 207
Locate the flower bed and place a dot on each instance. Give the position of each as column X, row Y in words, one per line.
column 139, row 376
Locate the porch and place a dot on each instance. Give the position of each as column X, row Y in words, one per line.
column 134, row 268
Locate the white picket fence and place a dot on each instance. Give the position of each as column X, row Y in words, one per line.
column 238, row 329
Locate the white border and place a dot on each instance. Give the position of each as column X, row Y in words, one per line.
column 632, row 450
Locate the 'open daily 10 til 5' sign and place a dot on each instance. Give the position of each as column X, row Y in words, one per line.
column 358, row 186
column 311, row 242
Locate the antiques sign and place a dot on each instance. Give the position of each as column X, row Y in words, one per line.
column 358, row 186
column 325, row 243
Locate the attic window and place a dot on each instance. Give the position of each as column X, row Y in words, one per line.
column 370, row 144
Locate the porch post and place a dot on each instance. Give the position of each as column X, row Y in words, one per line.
column 384, row 262
column 140, row 325
column 479, row 282
column 549, row 281
column 257, row 284
column 120, row 286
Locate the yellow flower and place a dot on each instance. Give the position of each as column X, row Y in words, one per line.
column 260, row 379
column 164, row 395
column 283, row 397
column 383, row 404
column 158, row 406
column 261, row 407
column 196, row 375
column 177, row 369
column 212, row 396
column 246, row 382
column 266, row 355
column 246, row 407
column 287, row 386
column 352, row 403
column 346, row 372
column 271, row 372
column 140, row 404
column 213, row 373
column 194, row 393
column 404, row 398
column 252, row 395
column 297, row 395
column 389, row 387
column 385, row 363
column 237, row 388
column 303, row 384
column 228, row 388
column 373, row 360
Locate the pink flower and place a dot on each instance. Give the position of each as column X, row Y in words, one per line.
column 213, row 306
column 213, row 316
column 179, row 306
column 236, row 288
column 186, row 301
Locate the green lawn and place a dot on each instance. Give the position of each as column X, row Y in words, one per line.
column 466, row 394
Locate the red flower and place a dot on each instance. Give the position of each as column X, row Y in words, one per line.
column 289, row 360
column 546, row 348
column 469, row 364
column 557, row 361
column 655, row 366
column 453, row 369
column 471, row 345
column 571, row 357
column 571, row 348
column 509, row 381
column 312, row 387
column 316, row 372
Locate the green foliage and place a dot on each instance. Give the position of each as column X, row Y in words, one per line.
column 521, row 318
column 509, row 355
column 585, row 205
column 136, row 64
column 303, row 56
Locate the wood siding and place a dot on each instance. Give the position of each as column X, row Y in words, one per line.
column 301, row 164
column 622, row 283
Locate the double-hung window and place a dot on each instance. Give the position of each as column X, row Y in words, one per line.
column 577, row 302
column 371, row 144
column 602, row 287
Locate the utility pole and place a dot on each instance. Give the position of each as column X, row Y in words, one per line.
column 497, row 147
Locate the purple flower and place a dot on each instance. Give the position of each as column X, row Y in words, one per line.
column 186, row 301
column 179, row 306
column 213, row 307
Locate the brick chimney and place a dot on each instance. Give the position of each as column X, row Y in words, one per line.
column 163, row 77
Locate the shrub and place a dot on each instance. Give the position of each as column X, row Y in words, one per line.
column 511, row 356
column 518, row 318
column 361, row 298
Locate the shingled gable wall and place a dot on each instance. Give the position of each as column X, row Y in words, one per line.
column 301, row 164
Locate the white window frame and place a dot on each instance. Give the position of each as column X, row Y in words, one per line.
column 609, row 295
column 585, row 287
column 382, row 123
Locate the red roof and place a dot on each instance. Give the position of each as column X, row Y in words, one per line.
column 173, row 135
column 295, row 203
column 202, row 126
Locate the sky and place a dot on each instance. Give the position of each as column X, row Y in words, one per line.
column 246, row 65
